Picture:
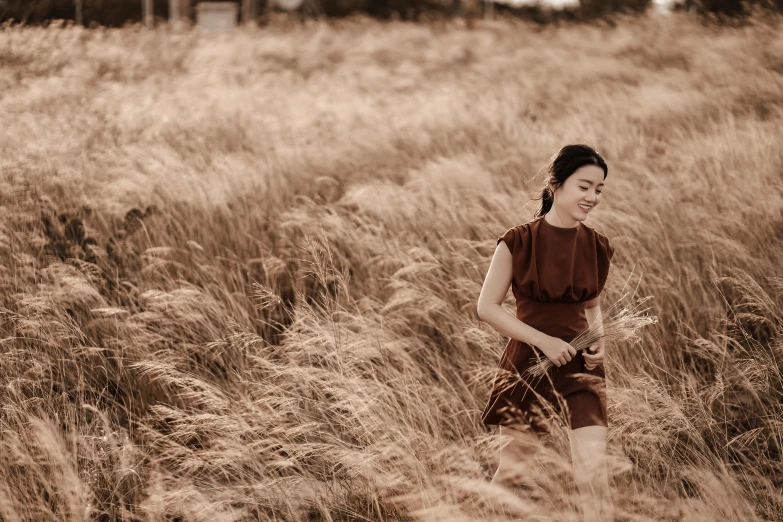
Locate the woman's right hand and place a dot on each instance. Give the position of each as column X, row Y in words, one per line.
column 557, row 350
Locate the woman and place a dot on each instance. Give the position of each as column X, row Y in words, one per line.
column 556, row 266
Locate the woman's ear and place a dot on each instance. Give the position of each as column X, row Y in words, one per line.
column 552, row 184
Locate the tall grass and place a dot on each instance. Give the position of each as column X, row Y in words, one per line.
column 239, row 274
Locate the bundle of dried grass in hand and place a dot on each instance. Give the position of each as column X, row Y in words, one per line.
column 618, row 322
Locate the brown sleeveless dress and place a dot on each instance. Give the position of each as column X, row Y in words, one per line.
column 557, row 273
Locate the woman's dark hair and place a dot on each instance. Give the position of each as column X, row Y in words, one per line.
column 566, row 162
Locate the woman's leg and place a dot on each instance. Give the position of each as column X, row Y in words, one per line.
column 514, row 456
column 588, row 455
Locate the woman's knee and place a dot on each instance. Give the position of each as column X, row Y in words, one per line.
column 517, row 445
column 588, row 447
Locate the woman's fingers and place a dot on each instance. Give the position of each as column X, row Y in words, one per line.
column 593, row 360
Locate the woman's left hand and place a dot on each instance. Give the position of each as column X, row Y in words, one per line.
column 594, row 355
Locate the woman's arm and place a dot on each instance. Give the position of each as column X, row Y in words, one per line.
column 493, row 293
column 593, row 315
column 595, row 354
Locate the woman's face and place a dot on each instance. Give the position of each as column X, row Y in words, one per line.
column 583, row 188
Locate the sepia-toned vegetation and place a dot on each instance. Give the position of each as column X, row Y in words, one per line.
column 239, row 273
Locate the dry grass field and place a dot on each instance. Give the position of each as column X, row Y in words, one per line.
column 239, row 274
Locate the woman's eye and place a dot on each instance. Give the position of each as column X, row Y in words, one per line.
column 583, row 188
column 597, row 191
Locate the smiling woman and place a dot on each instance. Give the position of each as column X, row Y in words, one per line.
column 557, row 267
column 578, row 193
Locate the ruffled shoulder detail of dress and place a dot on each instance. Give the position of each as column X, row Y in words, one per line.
column 604, row 247
column 604, row 250
column 516, row 237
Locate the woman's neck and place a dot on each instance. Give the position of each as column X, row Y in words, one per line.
column 553, row 219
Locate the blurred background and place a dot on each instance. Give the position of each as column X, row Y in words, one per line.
column 240, row 254
column 119, row 12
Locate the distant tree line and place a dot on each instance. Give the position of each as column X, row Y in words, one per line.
column 119, row 12
column 103, row 12
column 728, row 10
